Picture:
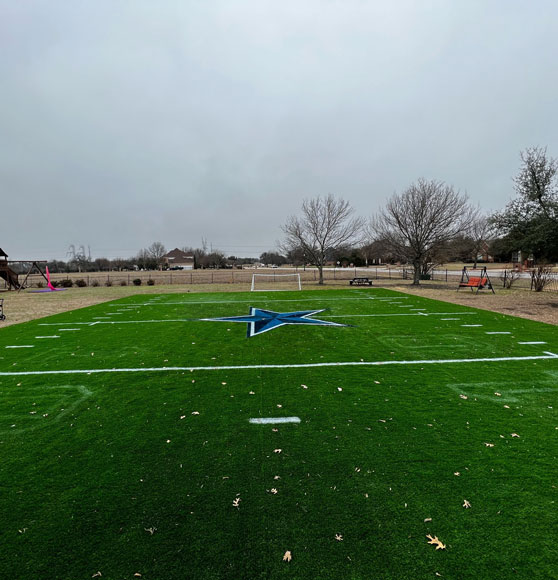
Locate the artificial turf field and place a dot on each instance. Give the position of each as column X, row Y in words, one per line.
column 126, row 447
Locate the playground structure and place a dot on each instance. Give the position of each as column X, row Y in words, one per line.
column 11, row 277
column 478, row 282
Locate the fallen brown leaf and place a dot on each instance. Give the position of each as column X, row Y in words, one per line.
column 287, row 557
column 436, row 542
column 339, row 537
column 466, row 504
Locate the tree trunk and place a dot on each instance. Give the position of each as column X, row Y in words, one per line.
column 416, row 274
column 321, row 279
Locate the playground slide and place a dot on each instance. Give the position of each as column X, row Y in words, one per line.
column 10, row 276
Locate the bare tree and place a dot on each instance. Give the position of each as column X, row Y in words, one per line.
column 481, row 231
column 157, row 250
column 419, row 223
column 325, row 224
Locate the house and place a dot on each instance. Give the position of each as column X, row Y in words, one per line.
column 178, row 260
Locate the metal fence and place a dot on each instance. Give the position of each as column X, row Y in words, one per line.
column 451, row 278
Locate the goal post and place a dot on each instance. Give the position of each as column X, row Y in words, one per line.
column 275, row 282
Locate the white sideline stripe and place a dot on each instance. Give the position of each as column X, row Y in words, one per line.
column 534, row 342
column 21, row 346
column 67, row 329
column 497, row 332
column 547, row 355
column 450, row 319
column 274, row 420
column 53, row 336
column 471, row 325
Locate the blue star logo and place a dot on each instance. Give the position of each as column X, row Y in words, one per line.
column 260, row 321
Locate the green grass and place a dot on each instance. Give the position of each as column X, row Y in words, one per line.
column 112, row 472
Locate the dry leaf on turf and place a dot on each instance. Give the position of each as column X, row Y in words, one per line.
column 287, row 557
column 466, row 504
column 514, row 435
column 339, row 537
column 489, row 444
column 236, row 502
column 273, row 491
column 277, row 450
column 435, row 542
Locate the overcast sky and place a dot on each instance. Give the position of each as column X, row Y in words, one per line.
column 128, row 122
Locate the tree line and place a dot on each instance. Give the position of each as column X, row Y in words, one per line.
column 427, row 224
column 431, row 222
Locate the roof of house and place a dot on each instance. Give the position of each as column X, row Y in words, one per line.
column 177, row 255
column 3, row 254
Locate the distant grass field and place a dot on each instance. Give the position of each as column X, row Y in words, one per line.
column 127, row 449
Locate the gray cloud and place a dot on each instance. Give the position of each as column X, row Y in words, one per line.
column 124, row 123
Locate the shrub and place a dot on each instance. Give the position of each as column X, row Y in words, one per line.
column 108, row 282
column 137, row 281
column 81, row 283
column 65, row 283
column 95, row 283
column 123, row 283
column 509, row 277
column 40, row 284
column 540, row 278
column 151, row 282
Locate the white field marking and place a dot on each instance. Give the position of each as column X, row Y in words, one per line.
column 450, row 319
column 471, row 325
column 274, row 420
column 53, row 336
column 202, row 319
column 497, row 332
column 397, row 314
column 53, row 409
column 418, row 309
column 318, row 300
column 533, row 342
column 507, row 395
column 547, row 355
column 21, row 346
column 101, row 317
column 67, row 329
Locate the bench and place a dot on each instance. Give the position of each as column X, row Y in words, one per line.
column 360, row 282
column 474, row 282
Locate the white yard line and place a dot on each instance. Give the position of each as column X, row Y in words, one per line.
column 471, row 325
column 53, row 336
column 546, row 355
column 274, row 420
column 21, row 346
column 497, row 332
column 533, row 342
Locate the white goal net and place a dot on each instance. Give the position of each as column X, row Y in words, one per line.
column 275, row 282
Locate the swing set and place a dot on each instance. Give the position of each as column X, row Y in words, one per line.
column 479, row 282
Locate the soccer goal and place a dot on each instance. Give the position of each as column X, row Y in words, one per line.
column 275, row 282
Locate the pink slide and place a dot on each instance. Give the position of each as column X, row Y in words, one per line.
column 49, row 284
